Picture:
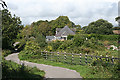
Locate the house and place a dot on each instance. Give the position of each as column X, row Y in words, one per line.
column 50, row 38
column 61, row 34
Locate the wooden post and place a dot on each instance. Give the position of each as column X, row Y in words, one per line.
column 96, row 57
column 86, row 58
column 51, row 56
column 72, row 58
column 65, row 57
column 80, row 58
column 58, row 56
column 41, row 54
column 91, row 58
column 46, row 55
column 112, row 59
column 101, row 58
column 106, row 58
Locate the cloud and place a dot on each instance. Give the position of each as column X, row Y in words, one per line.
column 79, row 11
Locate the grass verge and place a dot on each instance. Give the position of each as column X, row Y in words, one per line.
column 86, row 71
column 11, row 70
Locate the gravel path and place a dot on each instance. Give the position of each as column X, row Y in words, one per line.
column 50, row 71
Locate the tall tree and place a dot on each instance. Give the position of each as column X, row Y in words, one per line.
column 11, row 25
column 99, row 27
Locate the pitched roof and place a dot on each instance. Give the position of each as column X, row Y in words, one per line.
column 65, row 31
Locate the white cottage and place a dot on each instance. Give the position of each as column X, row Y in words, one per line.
column 61, row 33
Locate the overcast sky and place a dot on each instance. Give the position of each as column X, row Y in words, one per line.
column 80, row 12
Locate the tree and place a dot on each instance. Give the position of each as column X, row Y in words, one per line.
column 99, row 27
column 11, row 26
column 49, row 27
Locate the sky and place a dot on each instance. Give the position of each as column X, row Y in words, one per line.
column 80, row 12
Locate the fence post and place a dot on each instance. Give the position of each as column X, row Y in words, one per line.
column 41, row 54
column 80, row 58
column 101, row 58
column 65, row 57
column 51, row 56
column 86, row 58
column 91, row 58
column 96, row 57
column 112, row 59
column 58, row 56
column 46, row 55
column 72, row 58
column 106, row 58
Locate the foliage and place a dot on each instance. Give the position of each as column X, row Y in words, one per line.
column 99, row 27
column 11, row 70
column 55, row 45
column 41, row 40
column 78, row 40
column 32, row 47
column 111, row 70
column 48, row 28
column 92, row 43
column 10, row 28
column 6, row 52
column 43, row 28
column 66, row 45
column 86, row 71
column 102, row 37
column 29, row 34
column 70, row 37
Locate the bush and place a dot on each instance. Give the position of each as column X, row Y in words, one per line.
column 55, row 45
column 101, row 67
column 93, row 43
column 78, row 40
column 109, row 37
column 66, row 45
column 12, row 70
column 32, row 47
column 6, row 52
column 103, row 37
column 70, row 37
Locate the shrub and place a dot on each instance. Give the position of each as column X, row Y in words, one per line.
column 102, row 37
column 78, row 40
column 6, row 52
column 32, row 47
column 66, row 45
column 55, row 45
column 70, row 37
column 12, row 70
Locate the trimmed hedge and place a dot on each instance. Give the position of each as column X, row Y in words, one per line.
column 101, row 37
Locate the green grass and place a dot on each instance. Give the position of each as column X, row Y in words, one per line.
column 14, row 70
column 86, row 71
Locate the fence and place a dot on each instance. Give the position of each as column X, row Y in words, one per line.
column 78, row 59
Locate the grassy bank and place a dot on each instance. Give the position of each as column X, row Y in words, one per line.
column 11, row 70
column 86, row 71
